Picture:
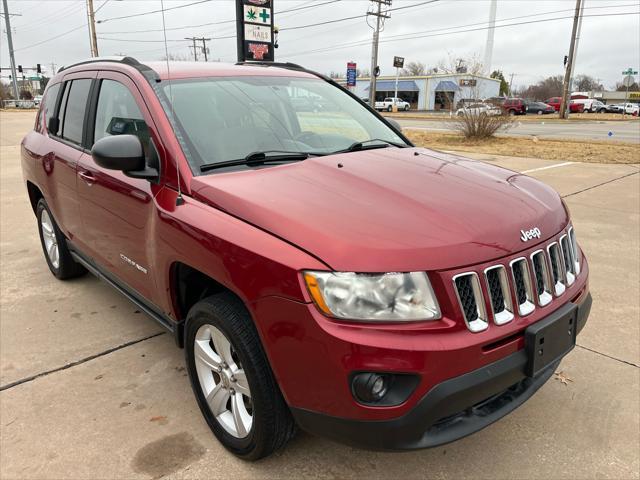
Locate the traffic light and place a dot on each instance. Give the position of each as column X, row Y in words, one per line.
column 376, row 72
column 566, row 59
column 38, row 69
column 20, row 68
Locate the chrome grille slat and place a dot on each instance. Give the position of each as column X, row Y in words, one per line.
column 499, row 294
column 522, row 286
column 574, row 249
column 557, row 269
column 567, row 259
column 543, row 280
column 471, row 300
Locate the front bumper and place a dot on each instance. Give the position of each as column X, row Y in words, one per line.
column 450, row 410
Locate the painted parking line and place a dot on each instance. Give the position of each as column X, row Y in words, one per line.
column 548, row 167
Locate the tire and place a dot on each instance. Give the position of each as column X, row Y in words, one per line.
column 252, row 419
column 389, row 108
column 406, row 108
column 540, row 112
column 54, row 246
column 512, row 113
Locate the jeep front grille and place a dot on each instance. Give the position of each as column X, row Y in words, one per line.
column 498, row 287
column 541, row 275
column 469, row 294
column 522, row 286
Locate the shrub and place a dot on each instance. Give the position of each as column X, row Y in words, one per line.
column 479, row 126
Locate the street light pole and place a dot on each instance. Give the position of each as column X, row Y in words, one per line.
column 12, row 59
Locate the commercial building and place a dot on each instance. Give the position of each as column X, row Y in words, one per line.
column 432, row 92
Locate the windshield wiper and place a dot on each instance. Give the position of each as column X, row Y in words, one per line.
column 354, row 147
column 259, row 158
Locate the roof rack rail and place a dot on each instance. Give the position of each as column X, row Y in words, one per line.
column 289, row 65
column 126, row 60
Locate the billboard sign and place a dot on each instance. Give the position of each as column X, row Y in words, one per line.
column 254, row 26
column 351, row 74
column 398, row 62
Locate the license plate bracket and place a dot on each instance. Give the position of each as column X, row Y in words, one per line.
column 550, row 339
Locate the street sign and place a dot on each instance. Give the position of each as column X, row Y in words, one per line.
column 398, row 62
column 628, row 81
column 630, row 71
column 255, row 30
column 351, row 74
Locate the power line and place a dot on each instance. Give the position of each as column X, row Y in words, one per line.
column 366, row 42
column 219, row 22
column 154, row 11
column 52, row 38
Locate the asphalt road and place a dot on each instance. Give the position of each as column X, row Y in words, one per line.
column 102, row 391
column 621, row 131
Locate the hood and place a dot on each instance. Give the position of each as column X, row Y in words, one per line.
column 390, row 209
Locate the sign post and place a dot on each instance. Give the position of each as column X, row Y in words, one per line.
column 398, row 62
column 627, row 82
column 351, row 74
column 255, row 31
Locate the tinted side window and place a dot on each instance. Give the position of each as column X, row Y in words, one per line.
column 75, row 108
column 49, row 103
column 117, row 113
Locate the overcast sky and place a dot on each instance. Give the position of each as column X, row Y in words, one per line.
column 56, row 31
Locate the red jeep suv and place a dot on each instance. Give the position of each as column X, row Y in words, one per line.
column 318, row 269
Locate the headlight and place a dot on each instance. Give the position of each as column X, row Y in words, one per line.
column 373, row 297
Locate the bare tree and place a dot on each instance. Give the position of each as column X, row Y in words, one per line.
column 176, row 57
column 363, row 72
column 586, row 83
column 5, row 92
column 470, row 64
column 544, row 89
column 412, row 69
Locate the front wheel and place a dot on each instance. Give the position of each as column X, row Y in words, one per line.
column 389, row 108
column 54, row 246
column 232, row 381
column 540, row 112
column 406, row 108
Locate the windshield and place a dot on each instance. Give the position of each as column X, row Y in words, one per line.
column 227, row 118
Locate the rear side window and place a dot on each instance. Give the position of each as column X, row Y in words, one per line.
column 49, row 103
column 117, row 114
column 76, row 103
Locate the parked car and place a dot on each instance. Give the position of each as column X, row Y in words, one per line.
column 387, row 104
column 615, row 107
column 331, row 276
column 631, row 108
column 479, row 109
column 514, row 106
column 591, row 105
column 574, row 107
column 539, row 108
column 37, row 99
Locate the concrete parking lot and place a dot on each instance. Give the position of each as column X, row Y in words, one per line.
column 92, row 388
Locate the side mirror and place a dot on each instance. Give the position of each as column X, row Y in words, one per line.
column 395, row 124
column 119, row 152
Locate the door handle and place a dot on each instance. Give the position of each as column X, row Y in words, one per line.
column 87, row 177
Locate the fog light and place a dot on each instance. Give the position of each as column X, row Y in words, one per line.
column 382, row 389
column 370, row 387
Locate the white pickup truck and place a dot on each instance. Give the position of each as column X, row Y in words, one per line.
column 387, row 104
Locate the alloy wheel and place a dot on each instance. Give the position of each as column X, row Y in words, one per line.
column 50, row 239
column 223, row 381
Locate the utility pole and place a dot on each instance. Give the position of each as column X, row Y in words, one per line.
column 53, row 69
column 93, row 37
column 380, row 15
column 564, row 111
column 488, row 49
column 204, row 48
column 194, row 46
column 511, row 85
column 12, row 59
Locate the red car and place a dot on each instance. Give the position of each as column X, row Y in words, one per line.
column 319, row 270
column 574, row 107
column 514, row 106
